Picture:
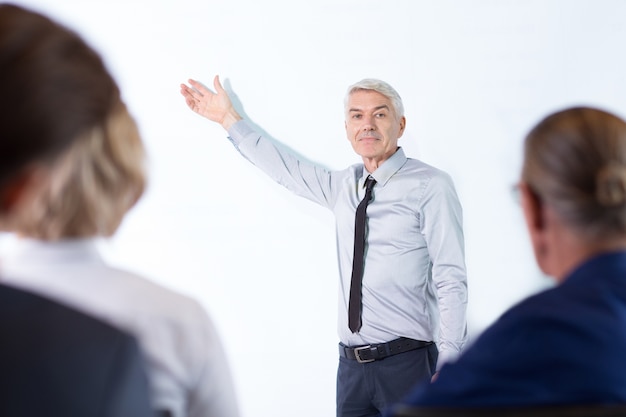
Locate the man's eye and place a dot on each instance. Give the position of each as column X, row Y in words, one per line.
column 380, row 115
column 356, row 116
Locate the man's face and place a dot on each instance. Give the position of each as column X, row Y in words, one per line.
column 372, row 126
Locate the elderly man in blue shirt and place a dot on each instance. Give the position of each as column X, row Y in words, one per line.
column 403, row 289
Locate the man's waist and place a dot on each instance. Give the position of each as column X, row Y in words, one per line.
column 379, row 351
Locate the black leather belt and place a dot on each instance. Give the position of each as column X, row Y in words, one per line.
column 378, row 351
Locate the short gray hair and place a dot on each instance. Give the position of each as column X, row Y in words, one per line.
column 380, row 87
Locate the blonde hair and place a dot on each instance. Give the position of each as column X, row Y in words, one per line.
column 54, row 87
column 90, row 187
column 575, row 160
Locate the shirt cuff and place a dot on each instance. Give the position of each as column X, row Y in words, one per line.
column 446, row 356
column 238, row 131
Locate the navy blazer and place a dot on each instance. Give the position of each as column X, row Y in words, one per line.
column 566, row 345
column 55, row 361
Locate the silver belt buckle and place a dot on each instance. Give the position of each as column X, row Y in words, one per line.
column 358, row 356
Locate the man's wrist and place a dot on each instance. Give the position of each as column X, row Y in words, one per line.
column 230, row 119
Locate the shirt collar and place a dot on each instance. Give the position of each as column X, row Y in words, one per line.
column 33, row 251
column 387, row 169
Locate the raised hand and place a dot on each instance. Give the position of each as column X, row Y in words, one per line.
column 215, row 106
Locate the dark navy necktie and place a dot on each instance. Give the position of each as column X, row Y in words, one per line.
column 354, row 305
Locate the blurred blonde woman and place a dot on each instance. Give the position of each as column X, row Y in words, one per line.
column 84, row 196
column 565, row 345
column 55, row 360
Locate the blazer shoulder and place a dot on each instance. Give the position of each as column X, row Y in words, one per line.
column 72, row 363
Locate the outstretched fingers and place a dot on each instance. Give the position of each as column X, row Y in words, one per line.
column 195, row 94
column 214, row 105
column 199, row 87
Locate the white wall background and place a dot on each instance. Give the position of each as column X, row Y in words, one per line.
column 474, row 75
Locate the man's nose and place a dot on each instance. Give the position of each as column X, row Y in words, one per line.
column 368, row 124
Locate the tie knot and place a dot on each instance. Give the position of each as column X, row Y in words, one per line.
column 369, row 183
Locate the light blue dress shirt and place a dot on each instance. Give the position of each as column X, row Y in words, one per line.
column 414, row 284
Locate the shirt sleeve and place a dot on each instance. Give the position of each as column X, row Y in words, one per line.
column 302, row 177
column 442, row 227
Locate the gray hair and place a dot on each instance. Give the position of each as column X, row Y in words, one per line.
column 380, row 87
column 575, row 160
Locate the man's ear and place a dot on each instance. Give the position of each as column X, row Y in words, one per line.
column 402, row 122
column 533, row 208
column 12, row 190
column 538, row 226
